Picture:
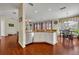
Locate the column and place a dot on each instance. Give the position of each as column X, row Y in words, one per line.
column 22, row 27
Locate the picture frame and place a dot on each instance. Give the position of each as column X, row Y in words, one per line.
column 11, row 25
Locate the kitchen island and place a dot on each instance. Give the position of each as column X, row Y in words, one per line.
column 48, row 36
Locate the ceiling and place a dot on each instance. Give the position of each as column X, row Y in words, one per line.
column 40, row 11
column 51, row 11
column 9, row 9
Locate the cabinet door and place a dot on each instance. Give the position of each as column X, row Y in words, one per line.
column 29, row 38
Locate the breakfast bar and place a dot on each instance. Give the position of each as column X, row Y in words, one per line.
column 45, row 36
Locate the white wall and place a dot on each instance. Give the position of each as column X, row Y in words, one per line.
column 5, row 29
column 11, row 30
column 2, row 26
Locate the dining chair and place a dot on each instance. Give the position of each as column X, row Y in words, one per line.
column 67, row 37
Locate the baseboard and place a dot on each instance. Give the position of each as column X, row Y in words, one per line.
column 39, row 43
column 4, row 36
column 11, row 34
column 54, row 43
column 44, row 43
column 23, row 46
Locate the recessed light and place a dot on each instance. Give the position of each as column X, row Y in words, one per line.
column 49, row 9
column 36, row 11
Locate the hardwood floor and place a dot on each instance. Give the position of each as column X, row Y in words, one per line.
column 9, row 46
